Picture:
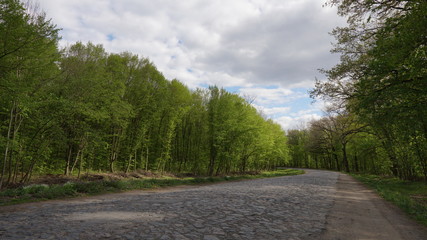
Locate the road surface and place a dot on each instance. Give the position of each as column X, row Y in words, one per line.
column 318, row 204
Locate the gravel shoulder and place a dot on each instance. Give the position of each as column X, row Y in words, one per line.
column 359, row 213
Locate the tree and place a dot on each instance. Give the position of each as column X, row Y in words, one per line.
column 82, row 108
column 27, row 64
column 297, row 140
column 381, row 76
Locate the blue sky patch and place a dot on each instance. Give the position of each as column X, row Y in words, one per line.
column 232, row 89
column 111, row 37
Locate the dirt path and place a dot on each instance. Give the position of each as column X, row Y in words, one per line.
column 359, row 213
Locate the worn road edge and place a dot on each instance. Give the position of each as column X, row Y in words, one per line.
column 359, row 213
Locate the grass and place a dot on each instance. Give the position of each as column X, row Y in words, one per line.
column 409, row 196
column 40, row 192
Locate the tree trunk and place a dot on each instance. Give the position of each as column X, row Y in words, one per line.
column 344, row 157
column 146, row 161
column 338, row 167
column 128, row 163
column 356, row 163
column 212, row 161
column 244, row 160
column 135, row 161
column 6, row 152
column 80, row 163
column 115, row 144
column 111, row 166
column 337, row 162
column 15, row 169
column 68, row 161
column 75, row 161
column 316, row 161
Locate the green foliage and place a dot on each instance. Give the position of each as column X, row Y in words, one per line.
column 381, row 80
column 82, row 109
column 332, row 142
column 27, row 70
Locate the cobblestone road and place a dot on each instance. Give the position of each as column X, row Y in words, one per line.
column 292, row 207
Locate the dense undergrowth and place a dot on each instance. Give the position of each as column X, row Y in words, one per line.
column 39, row 192
column 408, row 195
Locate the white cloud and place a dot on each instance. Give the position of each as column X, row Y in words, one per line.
column 297, row 122
column 257, row 42
column 246, row 44
column 272, row 112
column 270, row 96
column 276, row 110
column 281, row 105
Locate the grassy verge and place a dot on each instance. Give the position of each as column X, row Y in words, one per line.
column 409, row 196
column 39, row 192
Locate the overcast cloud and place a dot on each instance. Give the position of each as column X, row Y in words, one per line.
column 267, row 49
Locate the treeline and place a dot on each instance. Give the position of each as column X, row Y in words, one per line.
column 83, row 109
column 378, row 120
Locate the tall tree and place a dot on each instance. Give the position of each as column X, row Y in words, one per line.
column 382, row 73
column 28, row 58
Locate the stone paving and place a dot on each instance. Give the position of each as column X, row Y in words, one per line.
column 292, row 207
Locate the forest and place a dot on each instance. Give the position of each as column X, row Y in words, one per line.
column 80, row 109
column 377, row 120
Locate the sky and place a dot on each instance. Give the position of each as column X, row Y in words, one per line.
column 267, row 50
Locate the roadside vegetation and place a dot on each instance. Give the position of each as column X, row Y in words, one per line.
column 82, row 109
column 410, row 196
column 376, row 119
column 93, row 184
column 375, row 124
